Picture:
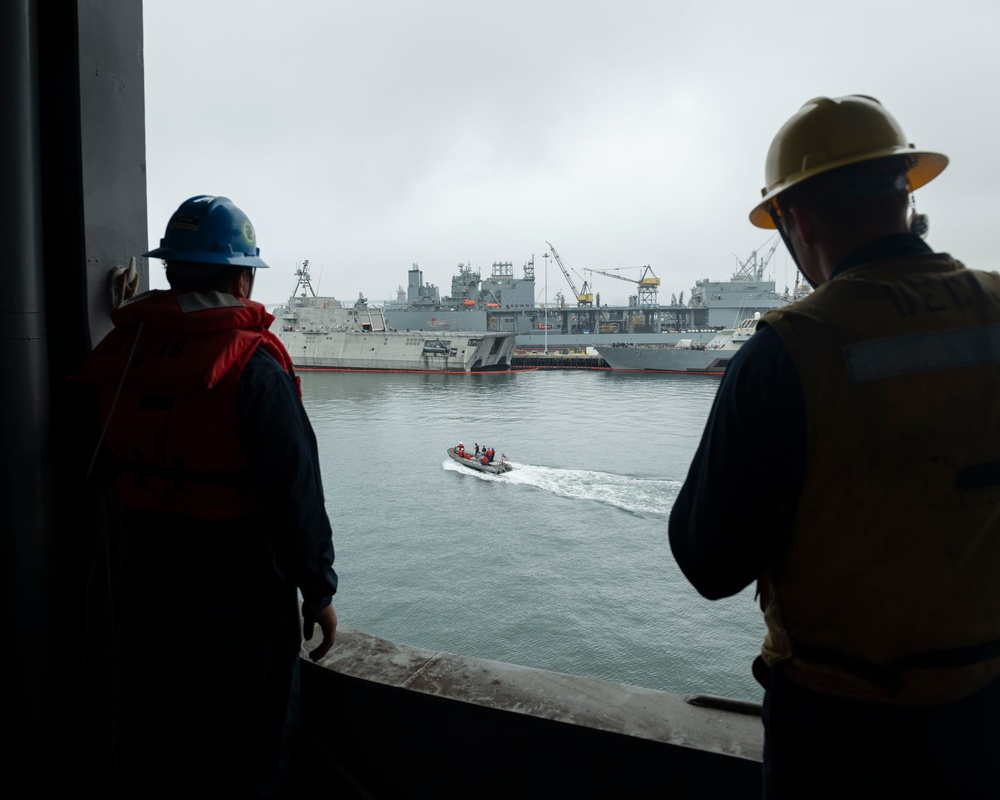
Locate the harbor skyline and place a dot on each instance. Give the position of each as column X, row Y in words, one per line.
column 367, row 137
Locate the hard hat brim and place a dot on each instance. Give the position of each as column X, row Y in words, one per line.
column 237, row 260
column 926, row 167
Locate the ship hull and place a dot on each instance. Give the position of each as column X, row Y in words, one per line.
column 667, row 360
column 687, row 357
column 392, row 351
column 576, row 341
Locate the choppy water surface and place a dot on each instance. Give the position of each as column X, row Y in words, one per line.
column 561, row 564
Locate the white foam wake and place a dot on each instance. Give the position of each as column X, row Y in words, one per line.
column 642, row 496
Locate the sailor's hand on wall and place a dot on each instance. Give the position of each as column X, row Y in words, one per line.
column 326, row 618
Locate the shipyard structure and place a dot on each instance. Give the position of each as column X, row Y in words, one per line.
column 503, row 301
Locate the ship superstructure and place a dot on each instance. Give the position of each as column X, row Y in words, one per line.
column 321, row 333
column 504, row 302
column 425, row 309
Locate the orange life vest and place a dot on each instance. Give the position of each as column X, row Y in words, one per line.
column 174, row 361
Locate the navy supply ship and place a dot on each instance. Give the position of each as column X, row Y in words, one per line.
column 321, row 334
column 686, row 356
column 504, row 302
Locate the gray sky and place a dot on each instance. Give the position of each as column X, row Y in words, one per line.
column 365, row 136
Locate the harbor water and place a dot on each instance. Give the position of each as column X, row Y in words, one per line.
column 562, row 564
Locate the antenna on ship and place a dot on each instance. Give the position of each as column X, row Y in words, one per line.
column 302, row 280
column 753, row 268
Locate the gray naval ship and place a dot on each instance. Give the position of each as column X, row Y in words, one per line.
column 320, row 333
column 505, row 302
column 687, row 356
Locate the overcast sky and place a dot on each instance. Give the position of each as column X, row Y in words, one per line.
column 366, row 136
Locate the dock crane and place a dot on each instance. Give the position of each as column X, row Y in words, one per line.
column 584, row 298
column 649, row 284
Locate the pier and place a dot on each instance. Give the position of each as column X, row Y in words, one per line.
column 563, row 359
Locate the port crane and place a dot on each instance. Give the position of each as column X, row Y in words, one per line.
column 584, row 298
column 649, row 284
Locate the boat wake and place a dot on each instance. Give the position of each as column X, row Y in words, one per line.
column 645, row 497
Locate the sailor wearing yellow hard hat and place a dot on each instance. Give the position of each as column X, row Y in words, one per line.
column 870, row 522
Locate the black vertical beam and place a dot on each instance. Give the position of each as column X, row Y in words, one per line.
column 25, row 489
column 72, row 205
column 93, row 189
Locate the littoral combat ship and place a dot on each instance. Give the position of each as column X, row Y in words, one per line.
column 320, row 333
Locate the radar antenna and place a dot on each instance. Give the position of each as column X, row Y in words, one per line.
column 302, row 280
column 753, row 268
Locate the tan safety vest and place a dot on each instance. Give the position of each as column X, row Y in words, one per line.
column 890, row 591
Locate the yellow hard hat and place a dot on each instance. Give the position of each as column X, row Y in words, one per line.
column 827, row 133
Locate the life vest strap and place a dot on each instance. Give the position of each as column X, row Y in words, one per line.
column 179, row 476
column 890, row 676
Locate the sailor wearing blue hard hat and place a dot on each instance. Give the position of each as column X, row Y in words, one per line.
column 216, row 469
column 205, row 236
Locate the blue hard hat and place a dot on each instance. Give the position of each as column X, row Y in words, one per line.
column 209, row 230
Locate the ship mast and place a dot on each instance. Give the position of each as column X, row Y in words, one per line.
column 753, row 268
column 302, row 280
